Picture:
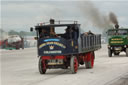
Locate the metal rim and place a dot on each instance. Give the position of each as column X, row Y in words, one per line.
column 75, row 64
column 42, row 66
column 92, row 61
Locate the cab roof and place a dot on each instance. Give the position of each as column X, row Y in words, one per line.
column 56, row 25
column 120, row 29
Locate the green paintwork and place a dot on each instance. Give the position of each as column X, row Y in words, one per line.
column 10, row 48
column 118, row 39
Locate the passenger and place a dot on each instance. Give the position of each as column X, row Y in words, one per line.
column 53, row 34
column 67, row 33
column 74, row 33
column 70, row 33
column 43, row 33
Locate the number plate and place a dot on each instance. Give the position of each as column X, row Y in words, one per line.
column 55, row 62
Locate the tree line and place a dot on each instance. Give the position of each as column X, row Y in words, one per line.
column 21, row 33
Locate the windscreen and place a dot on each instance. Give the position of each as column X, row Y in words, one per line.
column 66, row 32
column 60, row 30
column 118, row 32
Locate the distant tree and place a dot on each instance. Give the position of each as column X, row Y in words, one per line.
column 1, row 30
column 22, row 33
column 12, row 32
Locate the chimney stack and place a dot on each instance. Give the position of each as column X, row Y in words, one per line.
column 116, row 26
column 52, row 21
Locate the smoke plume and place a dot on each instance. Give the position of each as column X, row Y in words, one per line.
column 93, row 14
column 113, row 18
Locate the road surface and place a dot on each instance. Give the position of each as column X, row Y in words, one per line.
column 122, row 81
column 20, row 67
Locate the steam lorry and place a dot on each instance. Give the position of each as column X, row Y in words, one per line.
column 117, row 41
column 62, row 45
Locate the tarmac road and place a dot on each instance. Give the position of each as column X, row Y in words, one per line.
column 20, row 67
column 121, row 81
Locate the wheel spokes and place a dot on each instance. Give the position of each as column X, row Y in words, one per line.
column 75, row 64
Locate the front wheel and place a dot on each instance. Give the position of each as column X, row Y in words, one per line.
column 42, row 66
column 127, row 52
column 109, row 53
column 73, row 64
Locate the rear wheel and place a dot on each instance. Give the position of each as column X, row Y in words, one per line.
column 109, row 53
column 127, row 52
column 89, row 64
column 73, row 64
column 42, row 66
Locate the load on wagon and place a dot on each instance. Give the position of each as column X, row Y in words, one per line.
column 62, row 45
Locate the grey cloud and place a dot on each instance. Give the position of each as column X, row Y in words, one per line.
column 24, row 14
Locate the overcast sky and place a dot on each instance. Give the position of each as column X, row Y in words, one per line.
column 23, row 14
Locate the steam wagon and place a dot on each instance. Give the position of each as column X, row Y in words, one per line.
column 117, row 41
column 65, row 46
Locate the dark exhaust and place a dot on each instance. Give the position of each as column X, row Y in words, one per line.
column 116, row 26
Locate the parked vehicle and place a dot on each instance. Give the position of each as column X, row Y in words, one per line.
column 13, row 42
column 70, row 48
